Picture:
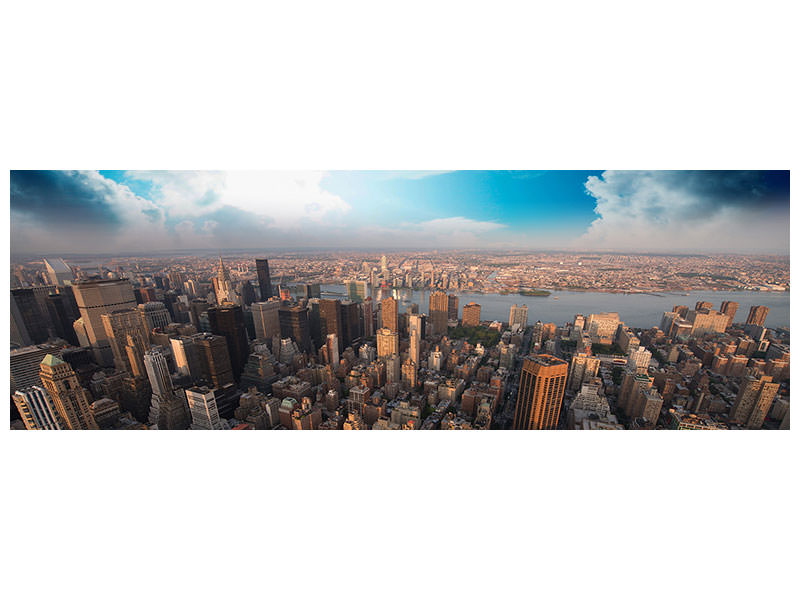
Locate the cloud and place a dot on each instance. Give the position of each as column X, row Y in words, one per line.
column 719, row 211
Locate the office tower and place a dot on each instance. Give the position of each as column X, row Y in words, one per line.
column 632, row 382
column 383, row 263
column 703, row 306
column 124, row 329
column 58, row 272
column 24, row 364
column 154, row 315
column 437, row 307
column 393, row 369
column 367, row 323
column 518, row 317
column 215, row 363
column 264, row 281
column 729, row 308
column 389, row 314
column 18, row 333
column 757, row 315
column 356, row 290
column 37, row 409
column 753, row 401
column 228, row 321
column 155, row 365
column 541, row 390
column 351, row 322
column 416, row 322
column 602, row 327
column 96, row 297
column 413, row 348
column 197, row 307
column 186, row 356
column 388, row 343
column 203, row 408
column 265, row 319
column 582, row 369
column 58, row 311
column 332, row 345
column 69, row 398
column 294, row 324
column 330, row 319
column 247, row 294
column 29, row 317
column 471, row 315
column 647, row 405
column 452, row 307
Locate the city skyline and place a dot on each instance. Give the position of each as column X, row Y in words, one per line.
column 95, row 212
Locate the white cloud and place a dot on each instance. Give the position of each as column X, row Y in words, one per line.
column 679, row 212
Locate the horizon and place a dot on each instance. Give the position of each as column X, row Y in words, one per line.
column 622, row 212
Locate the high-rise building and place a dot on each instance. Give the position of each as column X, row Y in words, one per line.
column 409, row 374
column 357, row 290
column 294, row 324
column 58, row 272
column 37, row 409
column 452, row 307
column 414, row 347
column 330, row 319
column 757, row 315
column 518, row 317
column 264, row 281
column 367, row 323
column 541, row 390
column 471, row 315
column 707, row 321
column 28, row 318
column 125, row 329
column 265, row 319
column 701, row 305
column 223, row 286
column 97, row 297
column 416, row 322
column 388, row 343
column 70, row 400
column 154, row 315
column 389, row 314
column 753, row 401
column 438, row 307
column 582, row 369
column 602, row 327
column 57, row 306
column 332, row 345
column 729, row 308
column 351, row 322
column 203, row 408
column 215, row 362
column 228, row 321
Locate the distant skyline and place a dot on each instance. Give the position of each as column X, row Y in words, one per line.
column 628, row 211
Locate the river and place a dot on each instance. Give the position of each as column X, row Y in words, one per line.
column 637, row 310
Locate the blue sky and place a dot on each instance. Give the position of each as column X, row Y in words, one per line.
column 123, row 211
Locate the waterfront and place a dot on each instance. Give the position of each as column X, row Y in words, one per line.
column 637, row 310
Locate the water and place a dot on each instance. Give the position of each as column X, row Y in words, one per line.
column 637, row 310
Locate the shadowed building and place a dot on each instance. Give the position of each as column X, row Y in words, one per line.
column 541, row 389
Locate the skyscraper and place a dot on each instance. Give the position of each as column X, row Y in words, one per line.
column 351, row 322
column 29, row 316
column 471, row 315
column 389, row 314
column 438, row 308
column 357, row 290
column 96, row 297
column 215, row 362
column 203, row 408
column 223, row 286
column 757, row 316
column 69, row 398
column 124, row 328
column 388, row 343
column 264, row 281
column 58, row 272
column 330, row 319
column 541, row 390
column 518, row 317
column 294, row 325
column 168, row 410
column 729, row 308
column 582, row 369
column 36, row 409
column 265, row 319
column 228, row 321
column 753, row 401
column 452, row 307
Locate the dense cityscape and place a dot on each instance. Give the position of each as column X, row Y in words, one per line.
column 329, row 340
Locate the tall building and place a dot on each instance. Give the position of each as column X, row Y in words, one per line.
column 582, row 369
column 264, row 281
column 707, row 321
column 438, row 307
column 294, row 324
column 124, row 329
column 452, row 307
column 729, row 308
column 541, row 390
column 332, row 345
column 758, row 315
column 471, row 315
column 388, row 343
column 330, row 319
column 265, row 319
column 367, row 323
column 70, row 400
column 357, row 290
column 700, row 305
column 416, row 322
column 414, row 348
column 97, row 297
column 57, row 306
column 58, row 272
column 602, row 327
column 518, row 317
column 223, row 286
column 27, row 317
column 389, row 314
column 37, row 409
column 154, row 315
column 228, row 321
column 351, row 322
column 203, row 408
column 215, row 363
column 753, row 401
